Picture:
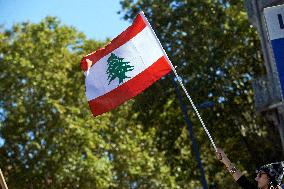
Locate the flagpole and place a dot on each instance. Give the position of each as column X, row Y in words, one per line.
column 180, row 82
column 2, row 181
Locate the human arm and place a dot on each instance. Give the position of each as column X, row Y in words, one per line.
column 230, row 167
column 237, row 175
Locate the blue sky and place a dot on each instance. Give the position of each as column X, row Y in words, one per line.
column 98, row 19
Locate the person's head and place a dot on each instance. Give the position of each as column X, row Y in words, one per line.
column 262, row 180
column 270, row 175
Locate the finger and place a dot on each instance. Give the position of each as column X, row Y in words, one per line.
column 219, row 156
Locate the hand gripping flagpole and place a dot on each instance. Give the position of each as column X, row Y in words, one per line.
column 180, row 82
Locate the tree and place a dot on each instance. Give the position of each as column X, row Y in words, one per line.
column 50, row 138
column 217, row 54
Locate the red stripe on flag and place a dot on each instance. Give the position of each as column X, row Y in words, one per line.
column 137, row 26
column 131, row 88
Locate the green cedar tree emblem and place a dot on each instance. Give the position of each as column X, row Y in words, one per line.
column 117, row 68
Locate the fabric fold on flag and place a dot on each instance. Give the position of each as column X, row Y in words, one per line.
column 125, row 67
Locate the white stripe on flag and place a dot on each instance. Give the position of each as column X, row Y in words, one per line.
column 141, row 51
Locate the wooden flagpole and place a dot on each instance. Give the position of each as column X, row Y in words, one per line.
column 2, row 181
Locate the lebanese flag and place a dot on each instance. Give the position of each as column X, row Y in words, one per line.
column 128, row 65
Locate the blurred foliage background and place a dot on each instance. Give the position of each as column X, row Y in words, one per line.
column 50, row 139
